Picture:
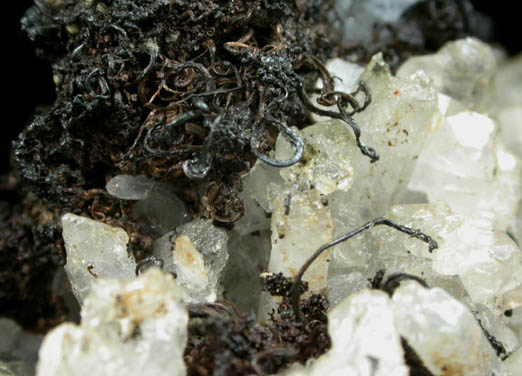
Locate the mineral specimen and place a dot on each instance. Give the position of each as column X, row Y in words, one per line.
column 136, row 327
column 365, row 341
column 128, row 187
column 94, row 251
column 442, row 331
column 196, row 253
column 466, row 165
column 463, row 69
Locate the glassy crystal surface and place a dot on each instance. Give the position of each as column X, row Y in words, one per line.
column 129, row 187
column 161, row 210
column 94, row 251
column 360, row 15
column 464, row 70
column 466, row 165
column 136, row 327
column 365, row 341
column 396, row 123
column 442, row 331
column 197, row 253
column 326, row 162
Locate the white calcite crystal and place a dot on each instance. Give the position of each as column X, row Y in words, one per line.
column 94, row 250
column 396, row 124
column 442, row 331
column 487, row 262
column 326, row 162
column 300, row 225
column 463, row 69
column 129, row 187
column 466, row 165
column 136, row 327
column 365, row 341
column 196, row 253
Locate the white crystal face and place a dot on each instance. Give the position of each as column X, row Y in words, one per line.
column 325, row 165
column 463, row 69
column 136, row 327
column 94, row 251
column 442, row 331
column 197, row 253
column 365, row 341
column 466, row 165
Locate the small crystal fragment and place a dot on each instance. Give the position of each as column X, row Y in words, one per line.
column 128, row 328
column 325, row 165
column 94, row 250
column 129, row 187
column 464, row 70
column 197, row 253
column 161, row 210
column 442, row 331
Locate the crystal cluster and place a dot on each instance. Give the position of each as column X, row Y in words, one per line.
column 447, row 129
column 134, row 327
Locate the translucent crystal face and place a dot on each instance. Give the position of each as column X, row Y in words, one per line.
column 128, row 328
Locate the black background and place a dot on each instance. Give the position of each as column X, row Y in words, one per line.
column 26, row 81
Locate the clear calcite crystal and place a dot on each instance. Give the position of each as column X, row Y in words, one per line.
column 161, row 210
column 442, row 331
column 128, row 328
column 365, row 341
column 300, row 225
column 129, row 187
column 396, row 124
column 466, row 165
column 325, row 165
column 94, row 250
column 487, row 262
column 463, row 69
column 197, row 253
column 497, row 327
